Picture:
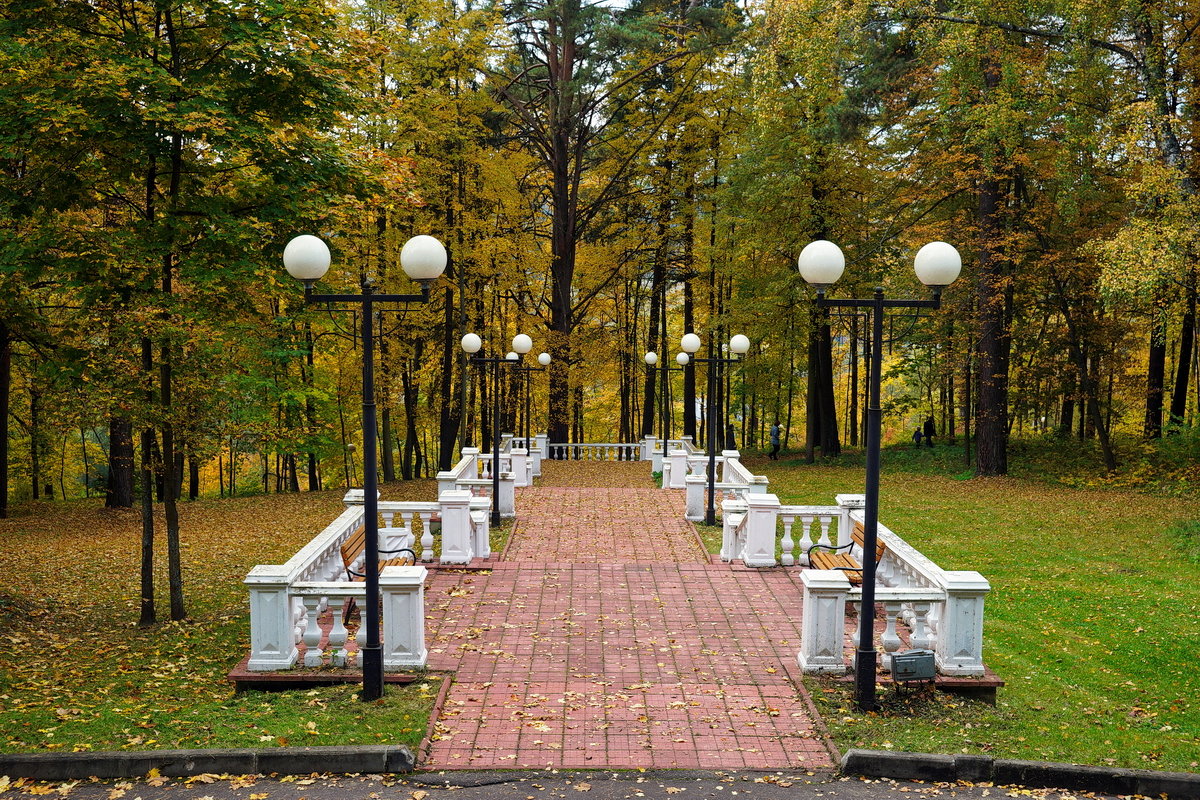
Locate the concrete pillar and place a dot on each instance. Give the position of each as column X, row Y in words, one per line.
column 847, row 503
column 959, row 649
column 457, row 546
column 481, row 525
column 403, row 592
column 517, row 461
column 272, row 634
column 508, row 496
column 823, row 631
column 695, row 486
column 679, row 469
column 762, row 513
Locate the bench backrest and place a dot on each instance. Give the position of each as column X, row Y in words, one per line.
column 859, row 534
column 353, row 547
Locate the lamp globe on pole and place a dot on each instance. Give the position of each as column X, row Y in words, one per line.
column 651, row 358
column 306, row 259
column 821, row 264
column 739, row 345
column 544, row 359
column 683, row 359
column 423, row 259
column 690, row 343
column 471, row 343
column 522, row 344
column 937, row 265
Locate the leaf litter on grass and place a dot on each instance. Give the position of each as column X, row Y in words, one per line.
column 80, row 675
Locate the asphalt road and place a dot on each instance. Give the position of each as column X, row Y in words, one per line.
column 546, row 785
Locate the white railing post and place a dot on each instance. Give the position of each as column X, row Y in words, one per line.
column 763, row 512
column 518, row 466
column 543, row 443
column 456, row 527
column 403, row 590
column 695, row 486
column 272, row 634
column 535, row 459
column 729, row 470
column 666, row 473
column 823, row 632
column 472, row 470
column 847, row 503
column 733, row 512
column 481, row 525
column 679, row 469
column 959, row 646
column 758, row 484
column 649, row 443
column 507, row 502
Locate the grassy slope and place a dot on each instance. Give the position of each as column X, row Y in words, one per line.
column 1093, row 619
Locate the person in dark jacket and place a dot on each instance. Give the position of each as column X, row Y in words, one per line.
column 929, row 430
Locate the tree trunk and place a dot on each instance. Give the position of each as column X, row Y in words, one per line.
column 35, row 442
column 1156, row 370
column 689, row 370
column 119, row 486
column 1187, row 338
column 991, row 411
column 148, row 613
column 310, row 411
column 5, row 402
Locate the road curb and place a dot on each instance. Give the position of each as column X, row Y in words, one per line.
column 374, row 759
column 1036, row 774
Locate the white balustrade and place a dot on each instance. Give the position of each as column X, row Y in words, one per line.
column 596, row 451
column 808, row 516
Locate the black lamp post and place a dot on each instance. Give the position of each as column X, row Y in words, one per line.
column 471, row 344
column 821, row 263
column 739, row 345
column 527, row 372
column 423, row 259
column 666, row 416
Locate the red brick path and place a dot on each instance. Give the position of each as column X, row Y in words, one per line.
column 607, row 640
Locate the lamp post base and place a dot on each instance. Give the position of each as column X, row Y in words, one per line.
column 371, row 659
column 864, row 679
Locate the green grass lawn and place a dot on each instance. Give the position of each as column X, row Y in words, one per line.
column 76, row 673
column 1093, row 619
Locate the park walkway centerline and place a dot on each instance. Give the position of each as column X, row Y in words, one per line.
column 607, row 639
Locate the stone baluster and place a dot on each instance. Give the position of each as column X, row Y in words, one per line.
column 825, row 522
column 919, row 637
column 403, row 591
column 338, row 633
column 787, row 545
column 890, row 639
column 427, row 536
column 313, row 657
column 805, row 537
column 822, row 638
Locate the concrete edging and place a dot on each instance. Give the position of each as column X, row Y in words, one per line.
column 375, row 759
column 1040, row 774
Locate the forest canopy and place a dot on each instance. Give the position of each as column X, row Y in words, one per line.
column 606, row 177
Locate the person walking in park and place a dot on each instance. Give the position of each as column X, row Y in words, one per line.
column 929, row 430
column 775, row 434
column 917, row 438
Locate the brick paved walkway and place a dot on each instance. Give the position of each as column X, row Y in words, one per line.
column 608, row 640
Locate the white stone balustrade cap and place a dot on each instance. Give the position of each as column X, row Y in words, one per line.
column 965, row 581
column 827, row 579
column 403, row 576
column 762, row 501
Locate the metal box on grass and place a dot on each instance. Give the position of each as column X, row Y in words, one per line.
column 913, row 665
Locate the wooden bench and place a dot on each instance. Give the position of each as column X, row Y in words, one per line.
column 352, row 550
column 823, row 556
